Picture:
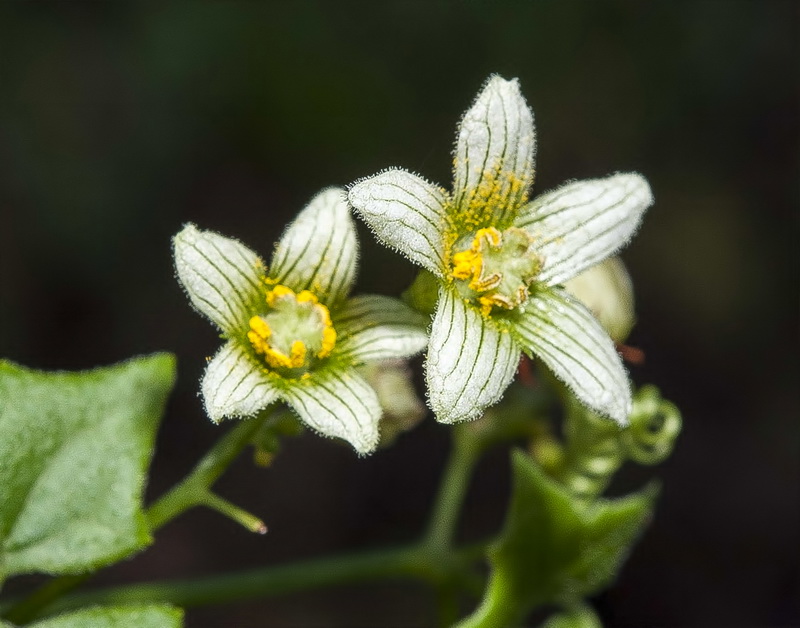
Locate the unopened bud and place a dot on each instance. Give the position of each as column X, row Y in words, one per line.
column 606, row 289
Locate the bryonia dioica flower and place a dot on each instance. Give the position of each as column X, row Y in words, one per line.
column 501, row 259
column 291, row 332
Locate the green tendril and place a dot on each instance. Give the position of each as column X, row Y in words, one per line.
column 595, row 447
column 654, row 426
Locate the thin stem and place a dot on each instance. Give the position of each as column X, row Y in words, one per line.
column 191, row 491
column 232, row 511
column 411, row 562
column 452, row 489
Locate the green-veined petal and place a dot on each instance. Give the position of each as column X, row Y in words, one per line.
column 406, row 213
column 559, row 330
column 338, row 403
column 234, row 386
column 373, row 327
column 221, row 276
column 582, row 223
column 493, row 161
column 319, row 250
column 470, row 361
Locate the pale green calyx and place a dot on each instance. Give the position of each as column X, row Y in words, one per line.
column 500, row 261
column 292, row 334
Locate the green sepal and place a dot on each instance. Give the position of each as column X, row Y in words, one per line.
column 151, row 616
column 74, row 451
column 423, row 293
column 554, row 548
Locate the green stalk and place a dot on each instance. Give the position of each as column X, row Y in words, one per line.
column 411, row 562
column 453, row 487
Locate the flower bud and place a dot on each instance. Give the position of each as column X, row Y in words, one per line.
column 402, row 408
column 606, row 289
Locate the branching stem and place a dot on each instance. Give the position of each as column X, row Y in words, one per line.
column 193, row 490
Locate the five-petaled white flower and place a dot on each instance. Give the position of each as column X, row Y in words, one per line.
column 292, row 333
column 501, row 259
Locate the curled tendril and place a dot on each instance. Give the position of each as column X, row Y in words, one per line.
column 592, row 452
column 595, row 448
column 654, row 425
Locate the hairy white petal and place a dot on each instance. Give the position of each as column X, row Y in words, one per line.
column 373, row 327
column 221, row 276
column 233, row 386
column 338, row 403
column 570, row 341
column 582, row 223
column 406, row 213
column 470, row 361
column 495, row 149
column 319, row 250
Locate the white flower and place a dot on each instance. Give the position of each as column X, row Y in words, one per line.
column 501, row 259
column 291, row 332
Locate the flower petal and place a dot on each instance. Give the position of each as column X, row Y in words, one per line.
column 470, row 361
column 406, row 213
column 571, row 342
column 221, row 276
column 493, row 164
column 582, row 223
column 338, row 403
column 373, row 327
column 233, row 386
column 319, row 250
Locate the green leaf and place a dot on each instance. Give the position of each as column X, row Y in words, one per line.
column 117, row 617
column 74, row 450
column 554, row 548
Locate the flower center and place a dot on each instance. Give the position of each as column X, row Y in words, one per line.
column 294, row 333
column 495, row 268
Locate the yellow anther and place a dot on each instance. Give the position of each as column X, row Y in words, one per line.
column 492, row 235
column 482, row 284
column 277, row 359
column 260, row 327
column 464, row 264
column 306, row 296
column 298, row 356
column 278, row 292
column 328, row 341
column 488, row 301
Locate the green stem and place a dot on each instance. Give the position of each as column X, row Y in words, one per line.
column 232, row 511
column 496, row 609
column 452, row 489
column 411, row 562
column 191, row 491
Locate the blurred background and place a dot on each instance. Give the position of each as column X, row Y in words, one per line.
column 121, row 121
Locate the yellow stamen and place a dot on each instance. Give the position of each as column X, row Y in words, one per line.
column 306, row 296
column 328, row 340
column 298, row 356
column 260, row 327
column 276, row 358
column 278, row 292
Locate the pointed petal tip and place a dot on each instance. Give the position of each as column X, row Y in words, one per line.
column 406, row 213
column 637, row 184
column 318, row 250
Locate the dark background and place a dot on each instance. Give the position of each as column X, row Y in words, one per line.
column 121, row 121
